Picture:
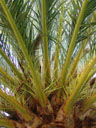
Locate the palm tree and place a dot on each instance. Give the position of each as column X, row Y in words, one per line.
column 43, row 45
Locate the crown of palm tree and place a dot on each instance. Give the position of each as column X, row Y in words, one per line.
column 43, row 45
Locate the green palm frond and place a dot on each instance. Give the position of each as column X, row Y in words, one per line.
column 25, row 53
column 6, row 123
column 72, row 43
